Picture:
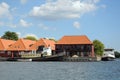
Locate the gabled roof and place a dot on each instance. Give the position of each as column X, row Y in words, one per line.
column 82, row 39
column 4, row 44
column 45, row 43
column 21, row 45
column 28, row 43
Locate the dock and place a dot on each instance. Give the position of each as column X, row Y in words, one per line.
column 57, row 57
column 79, row 59
column 62, row 57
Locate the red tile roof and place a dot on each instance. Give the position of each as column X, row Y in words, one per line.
column 50, row 43
column 4, row 44
column 44, row 42
column 74, row 40
column 21, row 45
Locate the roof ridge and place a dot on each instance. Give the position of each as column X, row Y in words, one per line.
column 74, row 35
column 44, row 41
column 88, row 39
column 23, row 42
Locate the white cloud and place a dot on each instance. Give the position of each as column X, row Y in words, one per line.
column 4, row 10
column 21, row 23
column 8, row 24
column 92, row 1
column 76, row 24
column 23, row 1
column 24, row 23
column 63, row 9
column 44, row 27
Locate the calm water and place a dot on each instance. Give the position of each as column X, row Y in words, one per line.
column 60, row 70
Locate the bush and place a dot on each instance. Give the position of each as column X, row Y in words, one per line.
column 117, row 54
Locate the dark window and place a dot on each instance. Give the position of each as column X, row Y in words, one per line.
column 30, row 45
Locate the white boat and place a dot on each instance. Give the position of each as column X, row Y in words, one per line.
column 24, row 60
column 108, row 55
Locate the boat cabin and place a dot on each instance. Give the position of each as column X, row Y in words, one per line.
column 108, row 53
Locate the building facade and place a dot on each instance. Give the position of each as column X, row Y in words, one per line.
column 4, row 45
column 21, row 46
column 72, row 46
column 44, row 46
column 75, row 46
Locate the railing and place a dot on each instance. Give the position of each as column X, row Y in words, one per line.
column 30, row 55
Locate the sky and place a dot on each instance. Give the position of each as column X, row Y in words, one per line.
column 97, row 19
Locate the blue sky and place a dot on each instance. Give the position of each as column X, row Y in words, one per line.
column 98, row 19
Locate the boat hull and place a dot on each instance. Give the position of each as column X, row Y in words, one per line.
column 11, row 59
column 24, row 60
column 66, row 59
column 107, row 58
column 3, row 59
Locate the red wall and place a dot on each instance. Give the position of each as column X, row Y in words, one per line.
column 4, row 55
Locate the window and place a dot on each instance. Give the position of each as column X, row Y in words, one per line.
column 82, row 47
column 30, row 45
column 2, row 51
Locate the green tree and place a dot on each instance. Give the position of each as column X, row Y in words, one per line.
column 10, row 35
column 52, row 39
column 98, row 47
column 31, row 38
column 117, row 54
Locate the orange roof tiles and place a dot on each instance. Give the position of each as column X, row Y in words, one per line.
column 44, row 42
column 50, row 43
column 4, row 44
column 25, row 45
column 21, row 45
column 74, row 40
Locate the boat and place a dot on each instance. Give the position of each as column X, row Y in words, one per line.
column 64, row 58
column 108, row 55
column 24, row 60
column 11, row 59
column 57, row 57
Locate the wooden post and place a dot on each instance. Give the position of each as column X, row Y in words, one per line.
column 92, row 53
column 82, row 55
column 12, row 55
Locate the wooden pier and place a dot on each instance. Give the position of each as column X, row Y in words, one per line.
column 57, row 57
column 79, row 59
column 62, row 57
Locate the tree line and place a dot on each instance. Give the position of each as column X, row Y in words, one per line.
column 98, row 45
column 14, row 36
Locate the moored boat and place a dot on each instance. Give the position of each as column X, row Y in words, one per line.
column 108, row 55
column 24, row 60
column 57, row 57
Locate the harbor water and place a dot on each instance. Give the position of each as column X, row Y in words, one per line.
column 103, row 70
